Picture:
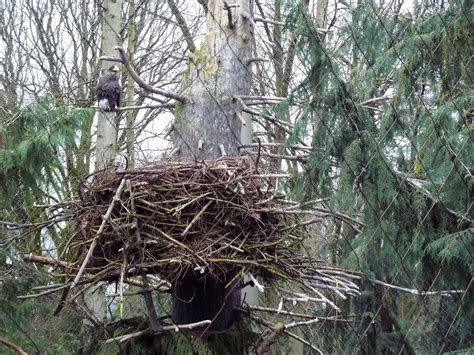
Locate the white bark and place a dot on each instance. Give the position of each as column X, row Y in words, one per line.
column 94, row 298
column 106, row 122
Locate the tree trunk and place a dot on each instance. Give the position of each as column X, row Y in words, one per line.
column 94, row 299
column 106, row 122
column 207, row 126
column 217, row 71
column 130, row 116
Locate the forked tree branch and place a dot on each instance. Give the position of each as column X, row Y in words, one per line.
column 147, row 87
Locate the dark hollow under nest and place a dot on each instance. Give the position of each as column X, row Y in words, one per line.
column 217, row 218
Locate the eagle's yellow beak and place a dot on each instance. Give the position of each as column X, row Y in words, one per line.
column 115, row 68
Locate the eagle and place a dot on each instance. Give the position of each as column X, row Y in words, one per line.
column 108, row 90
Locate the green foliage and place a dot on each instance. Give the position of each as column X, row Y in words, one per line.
column 455, row 249
column 32, row 165
column 28, row 323
column 35, row 146
column 405, row 167
column 184, row 344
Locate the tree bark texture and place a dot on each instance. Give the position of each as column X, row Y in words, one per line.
column 106, row 122
column 207, row 127
column 217, row 71
column 94, row 298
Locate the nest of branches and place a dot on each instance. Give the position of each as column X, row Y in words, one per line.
column 218, row 218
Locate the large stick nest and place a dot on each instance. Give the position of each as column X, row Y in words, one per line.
column 215, row 217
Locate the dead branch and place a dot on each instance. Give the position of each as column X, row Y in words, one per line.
column 292, row 314
column 47, row 261
column 152, row 316
column 229, row 14
column 267, row 341
column 375, row 100
column 124, row 60
column 182, row 25
column 127, row 108
column 305, row 342
column 173, row 327
column 256, row 59
column 105, row 219
column 13, row 346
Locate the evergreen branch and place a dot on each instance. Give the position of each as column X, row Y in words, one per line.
column 417, row 184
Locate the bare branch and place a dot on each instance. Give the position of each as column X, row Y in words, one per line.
column 126, row 108
column 229, row 14
column 294, row 336
column 264, row 20
column 124, row 60
column 270, row 339
column 13, row 346
column 256, row 59
column 46, row 261
column 99, row 232
column 375, row 100
column 182, row 25
column 173, row 327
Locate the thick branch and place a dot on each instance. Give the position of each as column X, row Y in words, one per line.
column 127, row 108
column 173, row 327
column 152, row 316
column 13, row 346
column 182, row 25
column 46, row 261
column 256, row 59
column 270, row 339
column 124, row 60
column 229, row 14
column 375, row 100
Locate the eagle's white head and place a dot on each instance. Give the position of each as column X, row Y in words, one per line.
column 114, row 68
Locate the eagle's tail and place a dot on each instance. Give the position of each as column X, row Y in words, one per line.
column 104, row 104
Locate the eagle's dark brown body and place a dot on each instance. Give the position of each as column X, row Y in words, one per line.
column 108, row 90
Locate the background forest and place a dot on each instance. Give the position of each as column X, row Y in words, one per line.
column 367, row 106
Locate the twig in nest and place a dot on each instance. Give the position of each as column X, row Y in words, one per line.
column 105, row 219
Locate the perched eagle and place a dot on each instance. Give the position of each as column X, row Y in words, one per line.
column 108, row 90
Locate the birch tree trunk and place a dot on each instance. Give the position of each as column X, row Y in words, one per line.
column 131, row 115
column 94, row 298
column 106, row 121
column 207, row 126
